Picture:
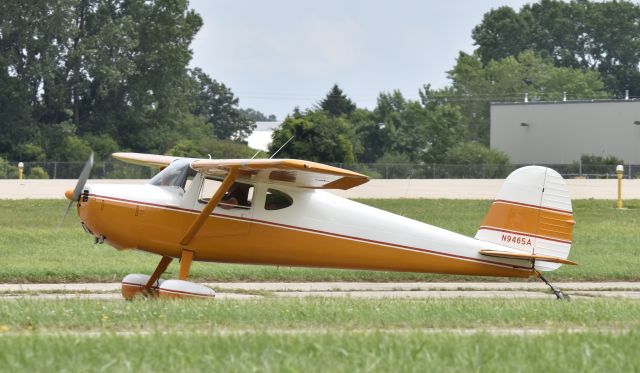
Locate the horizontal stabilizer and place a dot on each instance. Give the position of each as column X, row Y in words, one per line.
column 526, row 256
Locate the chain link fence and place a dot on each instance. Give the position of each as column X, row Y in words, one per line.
column 71, row 170
column 482, row 171
column 121, row 170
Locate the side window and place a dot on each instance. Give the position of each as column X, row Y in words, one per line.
column 239, row 195
column 209, row 188
column 277, row 200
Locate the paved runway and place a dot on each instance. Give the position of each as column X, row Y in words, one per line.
column 410, row 290
column 377, row 188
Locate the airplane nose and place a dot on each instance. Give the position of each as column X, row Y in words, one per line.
column 69, row 194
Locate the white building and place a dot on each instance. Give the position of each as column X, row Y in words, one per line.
column 260, row 138
column 561, row 132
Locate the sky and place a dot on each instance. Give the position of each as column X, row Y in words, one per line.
column 279, row 54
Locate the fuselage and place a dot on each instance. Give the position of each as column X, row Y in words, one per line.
column 317, row 229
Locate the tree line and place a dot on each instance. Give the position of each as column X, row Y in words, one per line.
column 107, row 75
column 448, row 125
column 550, row 50
column 113, row 75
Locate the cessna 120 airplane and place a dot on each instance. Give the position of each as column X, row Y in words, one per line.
column 275, row 211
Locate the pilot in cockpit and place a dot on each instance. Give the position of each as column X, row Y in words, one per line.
column 237, row 196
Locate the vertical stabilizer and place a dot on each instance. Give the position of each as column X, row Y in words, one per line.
column 532, row 214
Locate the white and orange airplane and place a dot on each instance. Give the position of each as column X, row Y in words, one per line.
column 275, row 211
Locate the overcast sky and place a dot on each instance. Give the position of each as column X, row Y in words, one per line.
column 279, row 54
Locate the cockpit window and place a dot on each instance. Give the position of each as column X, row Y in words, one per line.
column 277, row 200
column 239, row 195
column 175, row 175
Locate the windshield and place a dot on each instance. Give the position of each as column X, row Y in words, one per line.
column 175, row 175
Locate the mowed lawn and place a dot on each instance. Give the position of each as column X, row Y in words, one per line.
column 323, row 352
column 34, row 247
column 320, row 335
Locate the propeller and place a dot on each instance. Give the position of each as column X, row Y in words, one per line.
column 82, row 180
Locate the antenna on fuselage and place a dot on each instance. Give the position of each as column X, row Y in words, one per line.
column 255, row 155
column 283, row 145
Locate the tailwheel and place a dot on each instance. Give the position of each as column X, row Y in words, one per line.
column 134, row 285
column 558, row 293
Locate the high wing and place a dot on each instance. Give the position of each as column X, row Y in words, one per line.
column 150, row 160
column 292, row 172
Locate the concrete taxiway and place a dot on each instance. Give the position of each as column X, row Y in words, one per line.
column 377, row 188
column 411, row 290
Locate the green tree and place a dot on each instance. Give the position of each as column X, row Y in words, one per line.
column 393, row 129
column 256, row 116
column 475, row 86
column 61, row 143
column 219, row 106
column 336, row 103
column 216, row 148
column 29, row 153
column 445, row 129
column 600, row 36
column 395, row 166
column 475, row 153
column 102, row 145
column 317, row 136
column 494, row 163
column 597, row 160
column 37, row 173
column 29, row 47
column 8, row 170
column 115, row 68
column 502, row 33
column 370, row 132
column 420, row 130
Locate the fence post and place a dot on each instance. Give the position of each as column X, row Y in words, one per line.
column 433, row 165
column 580, row 167
column 55, row 170
column 483, row 171
column 386, row 170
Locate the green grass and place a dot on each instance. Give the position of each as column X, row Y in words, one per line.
column 313, row 335
column 33, row 248
column 315, row 313
column 376, row 352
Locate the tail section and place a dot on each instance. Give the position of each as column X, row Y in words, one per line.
column 532, row 215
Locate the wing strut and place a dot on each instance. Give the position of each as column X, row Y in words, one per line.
column 162, row 266
column 208, row 209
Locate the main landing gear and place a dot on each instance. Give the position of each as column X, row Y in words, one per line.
column 559, row 294
column 136, row 284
